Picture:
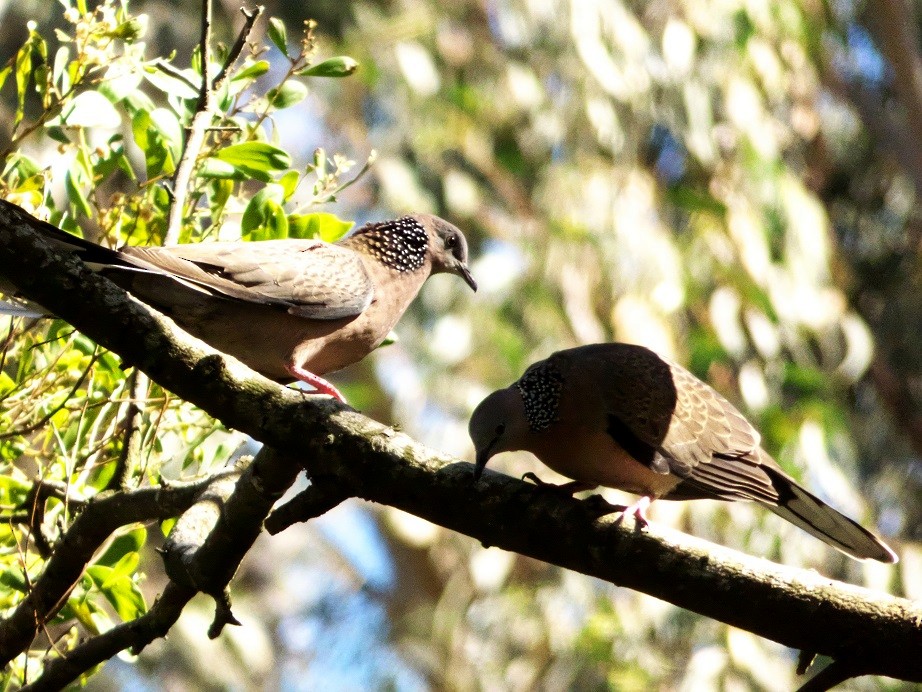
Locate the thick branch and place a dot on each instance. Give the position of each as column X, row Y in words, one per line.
column 138, row 633
column 100, row 517
column 877, row 632
column 207, row 565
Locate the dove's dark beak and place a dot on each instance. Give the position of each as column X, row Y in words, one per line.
column 465, row 274
column 483, row 456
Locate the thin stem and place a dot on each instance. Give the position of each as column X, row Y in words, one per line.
column 201, row 121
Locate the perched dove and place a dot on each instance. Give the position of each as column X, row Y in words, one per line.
column 619, row 415
column 290, row 309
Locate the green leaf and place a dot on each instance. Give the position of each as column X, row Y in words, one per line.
column 159, row 135
column 257, row 69
column 171, row 85
column 213, row 168
column 129, row 543
column 119, row 588
column 13, row 578
column 340, row 66
column 167, row 525
column 261, row 219
column 327, row 227
column 255, row 159
column 692, row 200
column 390, row 339
column 289, row 183
column 125, row 567
column 157, row 156
column 13, row 492
column 287, row 95
column 169, row 129
column 23, row 73
column 278, row 34
column 131, row 30
column 75, row 193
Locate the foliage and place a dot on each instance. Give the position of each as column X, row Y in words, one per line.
column 108, row 119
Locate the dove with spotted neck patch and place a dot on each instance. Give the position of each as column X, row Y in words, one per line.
column 290, row 309
column 619, row 415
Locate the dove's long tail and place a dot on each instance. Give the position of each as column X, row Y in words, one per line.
column 803, row 509
column 95, row 256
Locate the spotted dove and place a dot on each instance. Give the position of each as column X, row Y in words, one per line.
column 621, row 416
column 290, row 309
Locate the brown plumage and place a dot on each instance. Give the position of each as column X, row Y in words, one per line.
column 619, row 415
column 290, row 309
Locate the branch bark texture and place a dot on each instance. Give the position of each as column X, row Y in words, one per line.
column 880, row 633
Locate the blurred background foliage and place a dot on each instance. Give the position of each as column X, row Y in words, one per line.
column 730, row 182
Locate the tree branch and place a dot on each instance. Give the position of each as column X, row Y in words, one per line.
column 100, row 517
column 208, row 562
column 876, row 632
column 204, row 112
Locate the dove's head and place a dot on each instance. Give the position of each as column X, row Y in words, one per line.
column 447, row 248
column 498, row 424
column 420, row 243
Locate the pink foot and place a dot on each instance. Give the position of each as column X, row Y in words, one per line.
column 638, row 510
column 318, row 383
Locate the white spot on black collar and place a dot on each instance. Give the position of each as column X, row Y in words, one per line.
column 400, row 244
column 540, row 389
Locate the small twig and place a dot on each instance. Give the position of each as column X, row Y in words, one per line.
column 48, row 416
column 132, row 433
column 174, row 72
column 250, row 18
column 205, row 91
column 834, row 674
column 6, row 344
column 320, row 497
column 223, row 615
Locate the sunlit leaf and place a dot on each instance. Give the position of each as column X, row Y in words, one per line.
column 89, row 109
column 127, row 543
column 260, row 220
column 287, row 95
column 252, row 71
column 255, row 159
column 23, row 75
column 341, row 66
column 167, row 83
column 289, row 183
column 327, row 227
column 278, row 34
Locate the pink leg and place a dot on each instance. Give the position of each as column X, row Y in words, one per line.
column 639, row 510
column 318, row 383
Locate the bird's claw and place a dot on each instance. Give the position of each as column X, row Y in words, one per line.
column 567, row 489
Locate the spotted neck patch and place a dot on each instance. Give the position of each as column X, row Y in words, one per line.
column 400, row 244
column 540, row 388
